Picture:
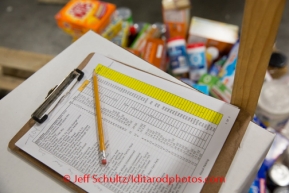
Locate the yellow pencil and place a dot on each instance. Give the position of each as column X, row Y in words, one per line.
column 99, row 120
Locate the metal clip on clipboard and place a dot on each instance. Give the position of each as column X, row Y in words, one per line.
column 39, row 114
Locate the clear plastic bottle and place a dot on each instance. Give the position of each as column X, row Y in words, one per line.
column 273, row 104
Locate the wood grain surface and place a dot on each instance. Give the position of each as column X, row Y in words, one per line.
column 259, row 29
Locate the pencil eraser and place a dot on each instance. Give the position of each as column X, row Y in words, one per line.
column 103, row 161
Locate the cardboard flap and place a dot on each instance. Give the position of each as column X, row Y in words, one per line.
column 228, row 151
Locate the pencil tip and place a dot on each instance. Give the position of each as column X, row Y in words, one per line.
column 103, row 161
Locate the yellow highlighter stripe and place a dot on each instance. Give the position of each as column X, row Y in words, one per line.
column 159, row 94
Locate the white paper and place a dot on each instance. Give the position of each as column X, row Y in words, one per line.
column 147, row 140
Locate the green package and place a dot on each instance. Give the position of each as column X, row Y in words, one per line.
column 217, row 88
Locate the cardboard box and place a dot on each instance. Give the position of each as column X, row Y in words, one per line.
column 217, row 88
column 79, row 16
column 176, row 17
column 155, row 53
column 213, row 33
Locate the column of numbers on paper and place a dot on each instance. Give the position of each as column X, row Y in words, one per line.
column 152, row 128
column 164, row 122
column 160, row 94
column 198, row 138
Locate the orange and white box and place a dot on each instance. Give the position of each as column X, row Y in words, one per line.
column 213, row 34
column 79, row 16
column 155, row 53
column 176, row 16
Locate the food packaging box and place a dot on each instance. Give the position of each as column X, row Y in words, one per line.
column 227, row 73
column 217, row 88
column 79, row 16
column 155, row 52
column 176, row 17
column 213, row 33
column 203, row 88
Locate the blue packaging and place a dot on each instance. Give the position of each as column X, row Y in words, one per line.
column 203, row 88
column 279, row 145
column 259, row 184
column 200, row 87
column 197, row 60
column 178, row 55
column 258, row 122
column 228, row 71
column 217, row 66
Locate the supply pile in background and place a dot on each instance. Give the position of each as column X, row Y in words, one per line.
column 187, row 50
column 200, row 52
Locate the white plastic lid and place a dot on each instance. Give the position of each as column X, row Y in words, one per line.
column 274, row 97
column 176, row 42
column 123, row 13
column 279, row 174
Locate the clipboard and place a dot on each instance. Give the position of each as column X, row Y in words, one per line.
column 220, row 168
column 34, row 161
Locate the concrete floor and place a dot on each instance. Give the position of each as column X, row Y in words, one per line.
column 28, row 25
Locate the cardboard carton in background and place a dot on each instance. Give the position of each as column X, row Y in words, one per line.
column 213, row 33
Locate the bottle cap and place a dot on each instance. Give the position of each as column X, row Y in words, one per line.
column 274, row 98
column 279, row 174
column 196, row 45
column 278, row 60
column 175, row 38
column 133, row 30
column 124, row 13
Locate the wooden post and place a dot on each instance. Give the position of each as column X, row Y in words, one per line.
column 260, row 25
